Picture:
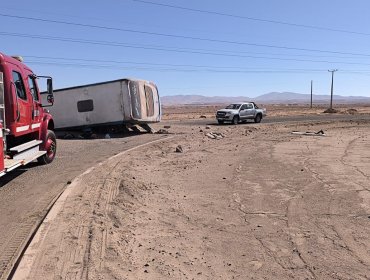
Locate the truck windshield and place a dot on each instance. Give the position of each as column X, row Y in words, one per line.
column 233, row 106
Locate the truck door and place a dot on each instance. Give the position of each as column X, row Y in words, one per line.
column 243, row 112
column 36, row 102
column 23, row 105
column 250, row 111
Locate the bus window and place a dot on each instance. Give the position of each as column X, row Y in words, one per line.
column 135, row 99
column 149, row 101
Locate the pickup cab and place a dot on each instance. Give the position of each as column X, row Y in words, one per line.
column 240, row 112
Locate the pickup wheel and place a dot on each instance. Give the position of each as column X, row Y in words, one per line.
column 50, row 147
column 258, row 118
column 235, row 120
column 220, row 122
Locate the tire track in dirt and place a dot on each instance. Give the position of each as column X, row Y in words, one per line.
column 92, row 197
column 357, row 250
column 342, row 237
column 286, row 255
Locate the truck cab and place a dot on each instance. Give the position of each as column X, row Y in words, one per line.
column 26, row 127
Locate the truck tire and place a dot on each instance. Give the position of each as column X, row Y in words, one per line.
column 50, row 147
column 220, row 122
column 258, row 118
column 235, row 120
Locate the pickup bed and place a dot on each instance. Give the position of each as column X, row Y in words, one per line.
column 240, row 112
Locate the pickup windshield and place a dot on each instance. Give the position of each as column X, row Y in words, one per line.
column 233, row 106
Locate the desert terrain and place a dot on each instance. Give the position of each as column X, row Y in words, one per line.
column 249, row 201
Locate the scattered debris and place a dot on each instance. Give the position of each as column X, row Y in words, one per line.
column 68, row 136
column 208, row 127
column 331, row 111
column 310, row 133
column 215, row 135
column 203, row 117
column 162, row 131
column 250, row 130
column 167, row 126
column 179, row 149
column 351, row 111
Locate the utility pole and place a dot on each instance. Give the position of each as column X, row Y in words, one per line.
column 332, row 84
column 311, row 94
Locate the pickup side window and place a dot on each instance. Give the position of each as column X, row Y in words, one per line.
column 249, row 106
column 33, row 88
column 244, row 106
column 19, row 86
column 233, row 106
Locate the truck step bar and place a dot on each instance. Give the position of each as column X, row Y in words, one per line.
column 26, row 146
column 34, row 157
column 22, row 155
column 11, row 164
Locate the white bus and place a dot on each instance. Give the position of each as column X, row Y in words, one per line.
column 124, row 101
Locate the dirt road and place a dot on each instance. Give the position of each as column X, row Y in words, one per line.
column 260, row 203
column 26, row 194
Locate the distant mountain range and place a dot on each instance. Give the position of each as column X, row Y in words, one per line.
column 268, row 98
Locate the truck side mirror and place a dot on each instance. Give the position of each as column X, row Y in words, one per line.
column 50, row 87
column 50, row 99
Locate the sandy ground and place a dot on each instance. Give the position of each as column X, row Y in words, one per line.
column 260, row 203
column 273, row 110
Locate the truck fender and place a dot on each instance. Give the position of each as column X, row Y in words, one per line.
column 46, row 124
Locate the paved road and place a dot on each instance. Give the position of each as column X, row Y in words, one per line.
column 26, row 194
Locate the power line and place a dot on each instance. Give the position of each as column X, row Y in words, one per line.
column 151, row 25
column 175, row 35
column 251, row 18
column 119, row 44
column 357, row 71
column 166, row 64
column 210, row 69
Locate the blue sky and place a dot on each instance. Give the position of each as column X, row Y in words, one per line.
column 235, row 48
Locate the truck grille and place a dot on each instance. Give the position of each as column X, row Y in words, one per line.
column 221, row 114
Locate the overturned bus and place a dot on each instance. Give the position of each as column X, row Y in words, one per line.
column 124, row 101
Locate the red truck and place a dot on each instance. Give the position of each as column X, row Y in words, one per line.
column 26, row 127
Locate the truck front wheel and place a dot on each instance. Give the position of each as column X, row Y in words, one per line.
column 50, row 147
column 235, row 120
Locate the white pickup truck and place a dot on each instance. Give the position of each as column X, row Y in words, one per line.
column 240, row 112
